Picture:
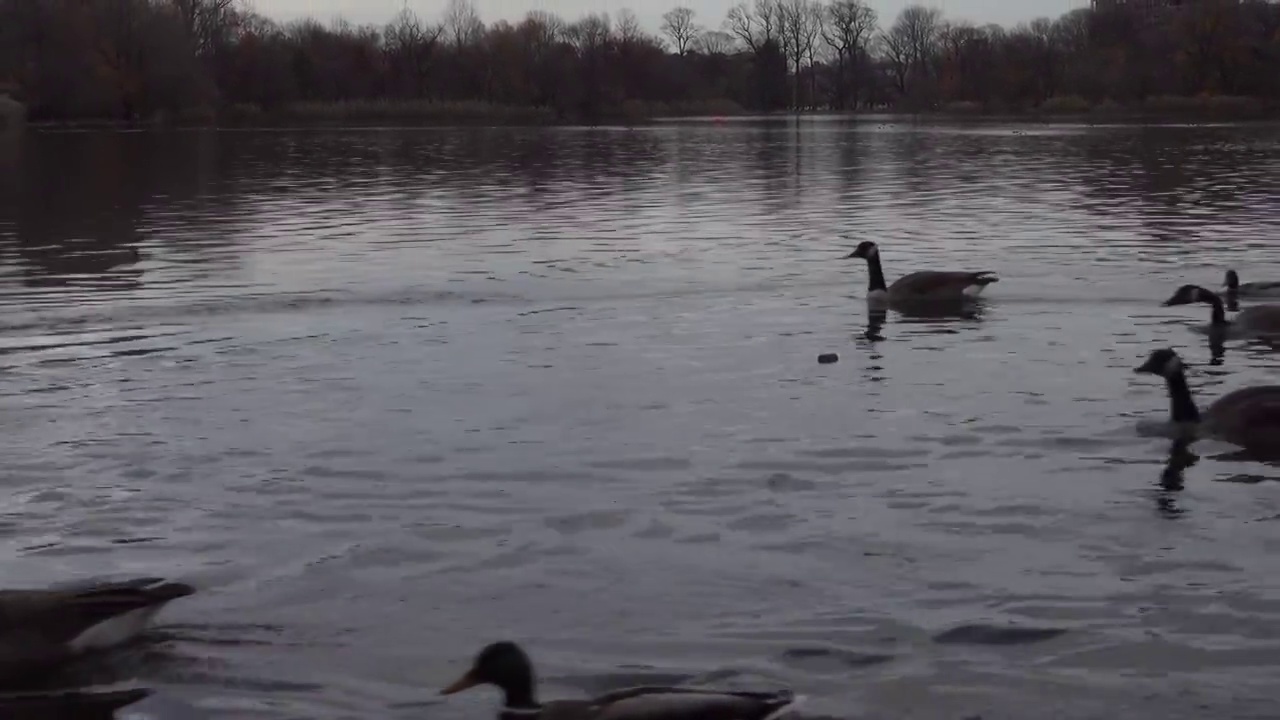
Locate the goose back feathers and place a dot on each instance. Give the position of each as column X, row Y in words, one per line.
column 40, row 629
column 922, row 285
column 1265, row 288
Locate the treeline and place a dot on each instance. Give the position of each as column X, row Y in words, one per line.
column 207, row 59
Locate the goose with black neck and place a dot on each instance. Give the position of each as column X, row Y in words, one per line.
column 919, row 286
column 1248, row 416
column 1257, row 289
column 1259, row 320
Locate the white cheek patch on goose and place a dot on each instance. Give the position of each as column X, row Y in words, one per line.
column 1172, row 366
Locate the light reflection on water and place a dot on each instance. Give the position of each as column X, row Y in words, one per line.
column 389, row 395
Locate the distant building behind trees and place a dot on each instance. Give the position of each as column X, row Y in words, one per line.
column 217, row 60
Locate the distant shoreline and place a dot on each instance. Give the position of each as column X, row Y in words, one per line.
column 384, row 114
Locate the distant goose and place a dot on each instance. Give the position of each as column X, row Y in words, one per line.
column 505, row 665
column 1249, row 417
column 64, row 705
column 43, row 629
column 922, row 285
column 1256, row 320
column 1266, row 288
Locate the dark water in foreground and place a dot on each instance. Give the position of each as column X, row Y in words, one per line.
column 389, row 395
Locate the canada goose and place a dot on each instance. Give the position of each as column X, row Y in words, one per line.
column 1256, row 320
column 505, row 665
column 1267, row 288
column 42, row 629
column 922, row 285
column 1249, row 417
column 63, row 705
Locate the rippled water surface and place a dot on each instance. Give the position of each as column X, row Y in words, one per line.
column 386, row 396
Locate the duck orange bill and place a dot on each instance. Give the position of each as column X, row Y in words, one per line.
column 462, row 683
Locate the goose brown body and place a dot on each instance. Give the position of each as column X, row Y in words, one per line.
column 1264, row 288
column 922, row 285
column 505, row 665
column 1255, row 320
column 42, row 629
column 1248, row 417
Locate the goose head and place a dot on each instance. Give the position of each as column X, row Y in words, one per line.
column 1163, row 362
column 1232, row 281
column 1188, row 294
column 502, row 664
column 865, row 250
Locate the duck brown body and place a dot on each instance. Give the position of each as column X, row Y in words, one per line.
column 505, row 665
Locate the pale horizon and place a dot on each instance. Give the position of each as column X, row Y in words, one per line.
column 710, row 13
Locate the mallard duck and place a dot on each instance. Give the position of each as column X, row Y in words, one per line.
column 42, row 629
column 505, row 665
column 1249, row 417
column 1256, row 320
column 1266, row 288
column 55, row 705
column 922, row 285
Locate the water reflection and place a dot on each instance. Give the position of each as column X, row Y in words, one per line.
column 1171, row 477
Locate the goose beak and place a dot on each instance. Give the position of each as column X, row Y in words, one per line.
column 852, row 255
column 462, row 683
column 1168, row 303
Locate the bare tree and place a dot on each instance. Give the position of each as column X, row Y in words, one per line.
column 591, row 33
column 462, row 24
column 714, row 42
column 848, row 32
column 628, row 27
column 678, row 25
column 911, row 45
column 408, row 46
column 754, row 26
column 205, row 21
column 800, row 25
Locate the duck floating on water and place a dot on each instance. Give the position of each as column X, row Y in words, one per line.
column 922, row 285
column 506, row 666
column 41, row 630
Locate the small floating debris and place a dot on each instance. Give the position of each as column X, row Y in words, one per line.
column 828, row 358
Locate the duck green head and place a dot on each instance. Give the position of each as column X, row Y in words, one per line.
column 504, row 665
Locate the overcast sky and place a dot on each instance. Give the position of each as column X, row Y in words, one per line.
column 710, row 12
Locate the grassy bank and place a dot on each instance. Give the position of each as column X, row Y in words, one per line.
column 404, row 113
column 1163, row 107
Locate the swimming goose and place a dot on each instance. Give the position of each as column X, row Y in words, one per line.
column 1249, row 417
column 922, row 285
column 1256, row 320
column 42, row 629
column 505, row 665
column 62, row 705
column 1266, row 288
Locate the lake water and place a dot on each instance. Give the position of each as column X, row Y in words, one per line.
column 389, row 395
